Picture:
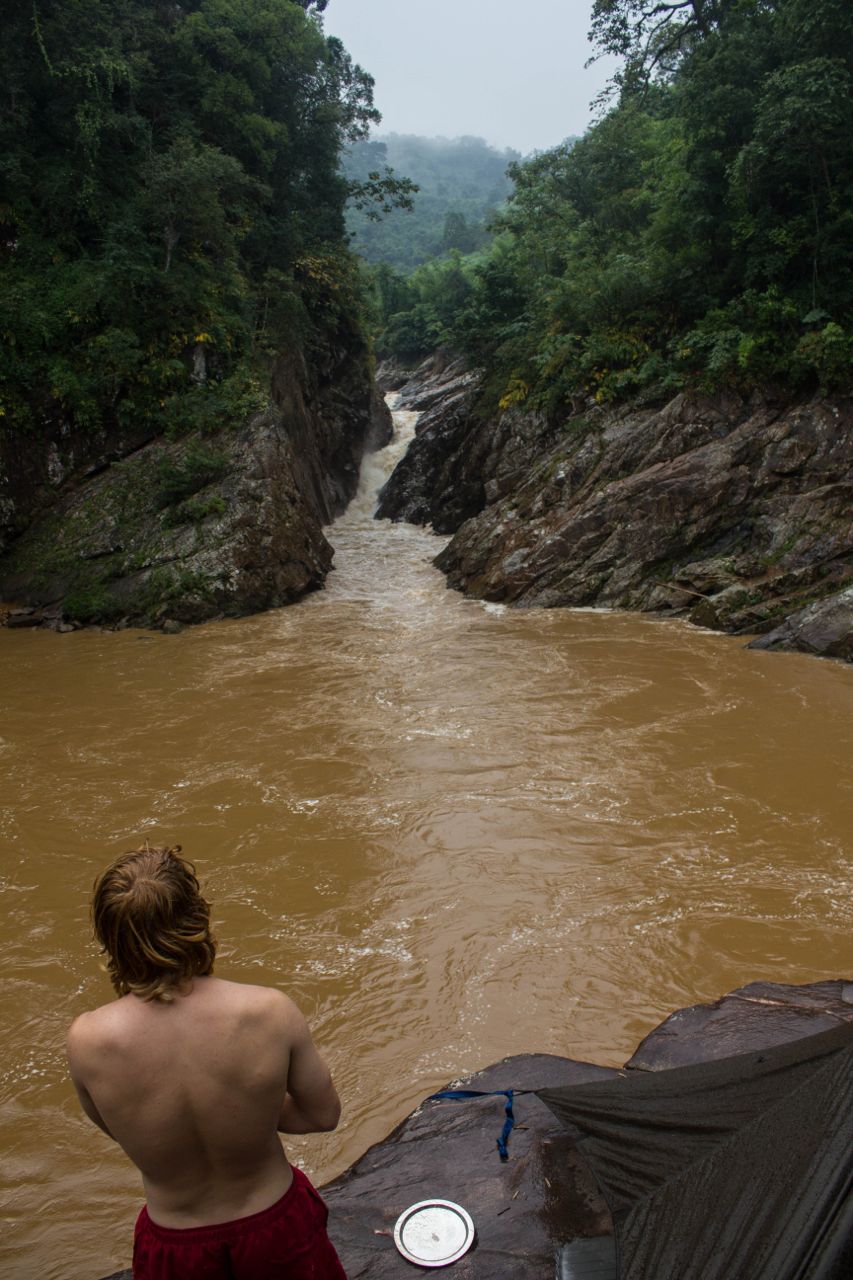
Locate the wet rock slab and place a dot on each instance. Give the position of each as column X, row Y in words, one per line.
column 543, row 1195
column 752, row 1017
column 522, row 1209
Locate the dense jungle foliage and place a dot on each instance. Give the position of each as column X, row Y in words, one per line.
column 461, row 182
column 700, row 234
column 171, row 204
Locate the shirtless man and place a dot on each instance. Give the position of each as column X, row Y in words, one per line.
column 194, row 1078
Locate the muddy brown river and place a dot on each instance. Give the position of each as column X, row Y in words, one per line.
column 452, row 832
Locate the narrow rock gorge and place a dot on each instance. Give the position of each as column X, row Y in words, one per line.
column 734, row 512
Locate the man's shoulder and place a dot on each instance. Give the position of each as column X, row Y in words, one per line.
column 90, row 1031
column 265, row 1001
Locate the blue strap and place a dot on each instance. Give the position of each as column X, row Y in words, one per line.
column 459, row 1095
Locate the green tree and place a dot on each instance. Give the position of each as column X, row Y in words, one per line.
column 698, row 235
column 457, row 234
column 164, row 169
column 651, row 35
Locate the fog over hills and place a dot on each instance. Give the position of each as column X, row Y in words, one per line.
column 461, row 182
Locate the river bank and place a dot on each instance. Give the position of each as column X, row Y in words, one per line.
column 544, row 1196
column 733, row 514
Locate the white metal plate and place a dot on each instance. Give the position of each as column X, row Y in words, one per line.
column 434, row 1233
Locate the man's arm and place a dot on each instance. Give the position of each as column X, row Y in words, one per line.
column 311, row 1104
column 76, row 1049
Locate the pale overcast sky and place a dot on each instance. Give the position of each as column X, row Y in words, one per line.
column 504, row 70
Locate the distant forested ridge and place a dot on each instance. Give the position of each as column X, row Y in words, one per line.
column 171, row 205
column 461, row 182
column 699, row 235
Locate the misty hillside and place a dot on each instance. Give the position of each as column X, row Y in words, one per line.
column 462, row 181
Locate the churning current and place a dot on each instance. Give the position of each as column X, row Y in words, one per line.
column 452, row 832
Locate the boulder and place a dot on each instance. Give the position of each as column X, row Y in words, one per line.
column 825, row 627
column 17, row 619
column 752, row 1017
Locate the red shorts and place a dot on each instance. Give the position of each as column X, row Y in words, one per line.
column 288, row 1241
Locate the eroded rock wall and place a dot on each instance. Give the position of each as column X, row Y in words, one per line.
column 37, row 463
column 736, row 513
column 99, row 543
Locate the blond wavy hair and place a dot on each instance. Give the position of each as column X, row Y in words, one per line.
column 152, row 923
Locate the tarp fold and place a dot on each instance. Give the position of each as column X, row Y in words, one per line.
column 736, row 1169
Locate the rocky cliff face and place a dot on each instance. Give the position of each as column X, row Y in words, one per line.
column 735, row 513
column 165, row 532
column 457, row 464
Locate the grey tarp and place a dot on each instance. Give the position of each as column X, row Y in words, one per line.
column 737, row 1169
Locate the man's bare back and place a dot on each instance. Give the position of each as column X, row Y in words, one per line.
column 195, row 1091
column 194, row 1078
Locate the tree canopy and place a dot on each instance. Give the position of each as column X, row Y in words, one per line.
column 698, row 235
column 169, row 181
